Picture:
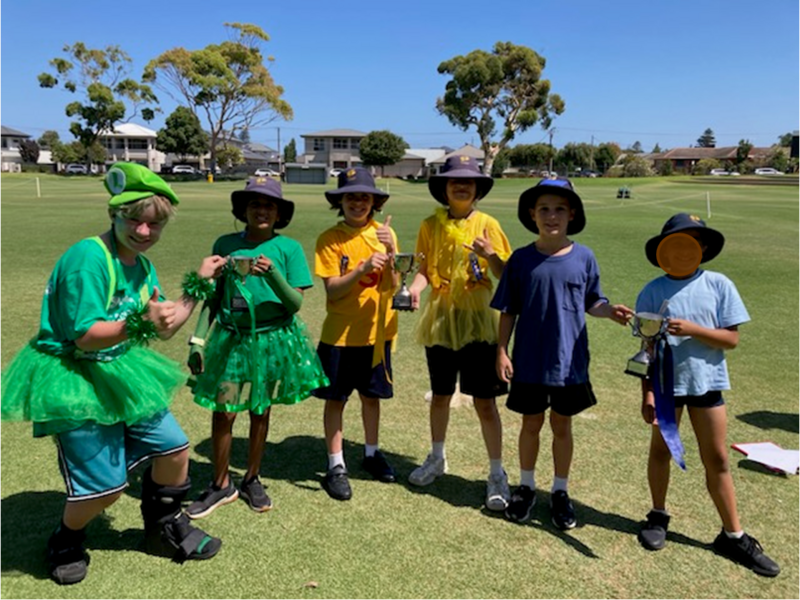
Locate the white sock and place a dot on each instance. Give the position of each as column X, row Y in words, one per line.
column 370, row 450
column 559, row 484
column 437, row 449
column 526, row 479
column 337, row 458
column 734, row 535
column 496, row 466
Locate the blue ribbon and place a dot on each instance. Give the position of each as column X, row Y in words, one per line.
column 663, row 378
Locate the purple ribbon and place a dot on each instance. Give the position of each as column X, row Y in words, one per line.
column 663, row 378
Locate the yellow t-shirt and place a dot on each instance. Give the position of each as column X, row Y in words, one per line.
column 457, row 311
column 353, row 319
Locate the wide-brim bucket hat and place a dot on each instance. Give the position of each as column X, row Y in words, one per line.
column 560, row 186
column 459, row 167
column 356, row 180
column 129, row 182
column 712, row 239
column 262, row 187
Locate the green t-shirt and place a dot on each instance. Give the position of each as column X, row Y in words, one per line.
column 287, row 257
column 77, row 296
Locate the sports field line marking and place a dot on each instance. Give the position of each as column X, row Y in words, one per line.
column 6, row 186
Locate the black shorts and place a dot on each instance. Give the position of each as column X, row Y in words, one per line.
column 350, row 368
column 707, row 400
column 534, row 399
column 475, row 361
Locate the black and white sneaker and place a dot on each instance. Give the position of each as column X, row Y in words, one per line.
column 521, row 503
column 212, row 498
column 253, row 492
column 747, row 552
column 562, row 511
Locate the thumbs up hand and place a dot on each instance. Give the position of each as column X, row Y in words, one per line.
column 482, row 246
column 384, row 234
column 162, row 314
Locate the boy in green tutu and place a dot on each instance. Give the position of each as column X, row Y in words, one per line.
column 87, row 379
column 257, row 339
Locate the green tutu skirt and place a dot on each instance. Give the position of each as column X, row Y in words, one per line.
column 285, row 371
column 58, row 393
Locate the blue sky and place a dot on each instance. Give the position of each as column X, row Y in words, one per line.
column 653, row 72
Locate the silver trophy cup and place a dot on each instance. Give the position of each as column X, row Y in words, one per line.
column 649, row 327
column 404, row 264
column 242, row 265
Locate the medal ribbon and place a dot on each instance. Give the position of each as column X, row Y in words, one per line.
column 664, row 392
column 255, row 356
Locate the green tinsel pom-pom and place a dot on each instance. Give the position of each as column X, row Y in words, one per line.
column 197, row 288
column 140, row 330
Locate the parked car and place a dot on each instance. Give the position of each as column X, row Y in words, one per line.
column 723, row 173
column 76, row 169
column 183, row 170
column 767, row 171
column 334, row 172
column 266, row 173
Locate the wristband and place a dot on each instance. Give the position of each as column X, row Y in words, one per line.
column 197, row 288
column 140, row 330
column 197, row 341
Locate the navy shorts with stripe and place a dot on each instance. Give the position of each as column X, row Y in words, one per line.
column 349, row 368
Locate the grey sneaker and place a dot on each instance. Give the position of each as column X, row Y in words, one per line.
column 427, row 473
column 653, row 535
column 253, row 492
column 497, row 492
column 212, row 498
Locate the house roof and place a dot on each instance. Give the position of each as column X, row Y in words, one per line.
column 352, row 133
column 465, row 150
column 13, row 132
column 724, row 153
column 130, row 130
column 429, row 154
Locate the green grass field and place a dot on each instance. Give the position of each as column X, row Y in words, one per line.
column 436, row 542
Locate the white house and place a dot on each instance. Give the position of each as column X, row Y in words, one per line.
column 132, row 143
column 10, row 160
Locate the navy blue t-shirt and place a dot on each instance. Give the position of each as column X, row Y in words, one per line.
column 550, row 296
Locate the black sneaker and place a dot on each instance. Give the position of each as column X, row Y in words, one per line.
column 562, row 511
column 257, row 498
column 212, row 498
column 68, row 561
column 653, row 534
column 521, row 504
column 336, row 484
column 380, row 469
column 747, row 552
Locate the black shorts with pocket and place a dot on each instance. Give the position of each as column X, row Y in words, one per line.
column 474, row 361
column 350, row 368
column 534, row 398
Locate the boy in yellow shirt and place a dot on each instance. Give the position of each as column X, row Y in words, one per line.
column 354, row 258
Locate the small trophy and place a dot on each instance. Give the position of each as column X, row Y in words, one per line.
column 650, row 327
column 404, row 263
column 241, row 265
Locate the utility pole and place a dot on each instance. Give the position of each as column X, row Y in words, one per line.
column 280, row 156
column 552, row 131
column 591, row 156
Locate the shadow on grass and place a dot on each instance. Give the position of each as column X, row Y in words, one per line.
column 28, row 519
column 766, row 419
column 750, row 465
column 587, row 515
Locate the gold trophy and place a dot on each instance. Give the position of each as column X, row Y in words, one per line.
column 241, row 265
column 404, row 264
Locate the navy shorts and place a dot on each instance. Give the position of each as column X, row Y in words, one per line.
column 534, row 399
column 707, row 400
column 474, row 361
column 350, row 368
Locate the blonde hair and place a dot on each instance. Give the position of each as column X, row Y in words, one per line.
column 165, row 210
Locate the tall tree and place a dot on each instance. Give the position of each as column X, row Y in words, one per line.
column 656, row 149
column 290, row 152
column 636, row 148
column 182, row 134
column 244, row 135
column 743, row 152
column 785, row 140
column 109, row 95
column 531, row 155
column 573, row 156
column 606, row 155
column 381, row 148
column 29, row 151
column 229, row 157
column 227, row 84
column 49, row 139
column 504, row 84
column 707, row 140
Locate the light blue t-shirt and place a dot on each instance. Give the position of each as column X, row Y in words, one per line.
column 710, row 300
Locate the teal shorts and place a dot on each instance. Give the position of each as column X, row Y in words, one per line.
column 95, row 459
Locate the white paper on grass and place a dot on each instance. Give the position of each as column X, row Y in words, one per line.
column 771, row 455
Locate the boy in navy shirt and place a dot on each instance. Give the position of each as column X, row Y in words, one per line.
column 548, row 286
column 704, row 314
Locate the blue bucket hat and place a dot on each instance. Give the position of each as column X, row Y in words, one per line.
column 712, row 239
column 262, row 187
column 459, row 167
column 356, row 180
column 560, row 186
